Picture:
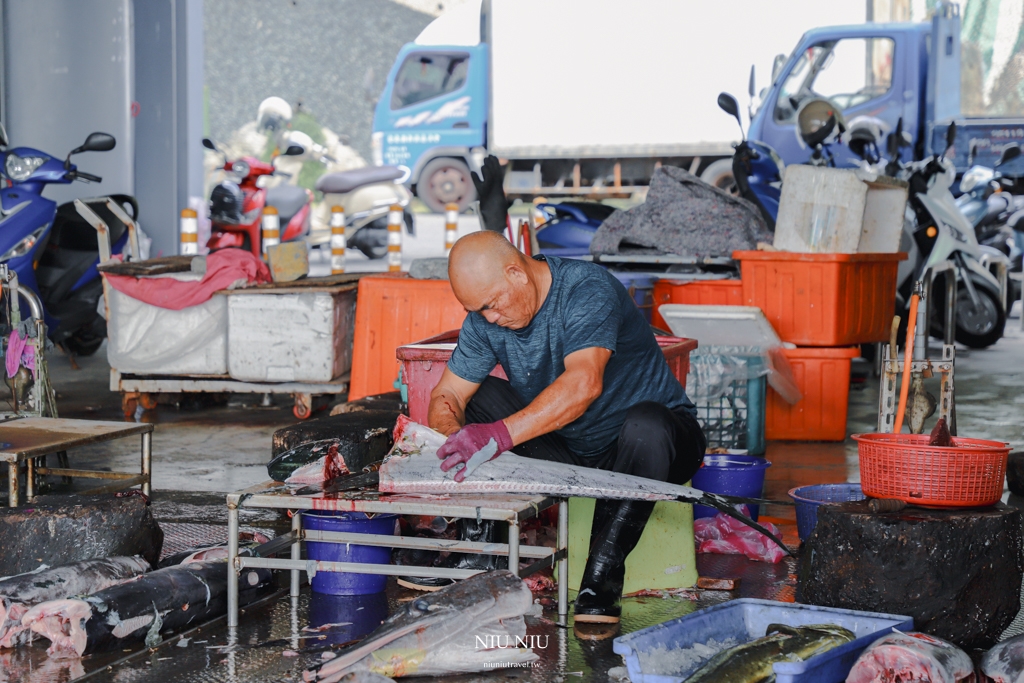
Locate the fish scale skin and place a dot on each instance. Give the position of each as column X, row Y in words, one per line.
column 19, row 593
column 180, row 596
column 753, row 662
column 435, row 633
column 1004, row 663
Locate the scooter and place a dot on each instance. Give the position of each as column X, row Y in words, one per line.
column 756, row 168
column 34, row 230
column 938, row 231
column 367, row 195
column 569, row 227
column 237, row 203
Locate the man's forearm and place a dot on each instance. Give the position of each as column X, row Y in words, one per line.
column 564, row 401
column 445, row 414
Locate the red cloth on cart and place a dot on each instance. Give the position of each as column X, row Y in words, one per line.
column 224, row 268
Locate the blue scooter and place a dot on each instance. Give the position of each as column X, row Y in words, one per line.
column 53, row 250
column 756, row 167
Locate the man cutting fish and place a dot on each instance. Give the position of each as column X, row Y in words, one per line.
column 587, row 385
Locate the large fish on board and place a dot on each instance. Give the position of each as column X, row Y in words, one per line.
column 412, row 466
column 1004, row 663
column 463, row 628
column 912, row 656
column 753, row 662
column 141, row 609
column 19, row 593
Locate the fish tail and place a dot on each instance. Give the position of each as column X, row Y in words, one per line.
column 721, row 505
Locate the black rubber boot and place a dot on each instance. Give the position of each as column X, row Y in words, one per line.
column 601, row 587
column 485, row 531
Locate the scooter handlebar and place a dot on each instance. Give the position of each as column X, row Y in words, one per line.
column 82, row 175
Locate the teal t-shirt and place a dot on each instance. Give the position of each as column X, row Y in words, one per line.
column 585, row 307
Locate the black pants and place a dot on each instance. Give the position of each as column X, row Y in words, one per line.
column 654, row 442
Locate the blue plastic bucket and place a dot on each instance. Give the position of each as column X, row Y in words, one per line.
column 345, row 583
column 808, row 498
column 346, row 617
column 731, row 475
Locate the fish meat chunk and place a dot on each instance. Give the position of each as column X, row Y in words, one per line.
column 754, row 662
column 412, row 466
column 1004, row 663
column 19, row 593
column 327, row 467
column 912, row 656
column 466, row 627
column 140, row 609
column 724, row 535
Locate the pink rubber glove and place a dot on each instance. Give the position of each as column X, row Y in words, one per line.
column 474, row 445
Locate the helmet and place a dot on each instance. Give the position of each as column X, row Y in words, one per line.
column 864, row 135
column 226, row 203
column 300, row 139
column 273, row 114
column 818, row 121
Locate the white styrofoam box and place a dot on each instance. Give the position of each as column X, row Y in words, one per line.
column 290, row 337
column 147, row 339
column 821, row 210
column 884, row 209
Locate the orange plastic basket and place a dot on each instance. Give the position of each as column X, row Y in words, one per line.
column 905, row 467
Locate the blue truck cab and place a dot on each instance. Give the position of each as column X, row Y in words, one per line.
column 430, row 117
column 886, row 71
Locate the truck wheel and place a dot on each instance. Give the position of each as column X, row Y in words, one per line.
column 719, row 174
column 443, row 181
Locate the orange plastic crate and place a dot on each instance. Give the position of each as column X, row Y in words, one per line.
column 701, row 292
column 905, row 467
column 822, row 299
column 823, row 377
column 392, row 311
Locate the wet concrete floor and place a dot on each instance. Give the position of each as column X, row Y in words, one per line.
column 205, row 448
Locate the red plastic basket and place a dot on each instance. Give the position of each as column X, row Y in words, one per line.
column 905, row 467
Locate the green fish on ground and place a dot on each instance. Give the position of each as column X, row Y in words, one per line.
column 752, row 662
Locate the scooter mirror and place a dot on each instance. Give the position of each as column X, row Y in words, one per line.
column 727, row 103
column 950, row 135
column 208, row 144
column 294, row 151
column 97, row 142
column 3, row 136
column 1010, row 152
column 750, row 84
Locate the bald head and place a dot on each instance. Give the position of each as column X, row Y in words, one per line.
column 491, row 277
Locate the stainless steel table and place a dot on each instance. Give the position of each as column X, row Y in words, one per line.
column 503, row 508
column 29, row 439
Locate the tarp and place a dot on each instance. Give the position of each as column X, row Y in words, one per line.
column 684, row 216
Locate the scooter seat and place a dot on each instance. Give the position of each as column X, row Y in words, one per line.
column 288, row 200
column 346, row 181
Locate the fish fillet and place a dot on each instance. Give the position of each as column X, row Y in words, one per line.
column 912, row 657
column 19, row 593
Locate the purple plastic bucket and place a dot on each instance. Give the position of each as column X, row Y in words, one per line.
column 731, row 475
column 345, row 583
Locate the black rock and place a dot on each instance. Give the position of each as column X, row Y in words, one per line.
column 1015, row 473
column 362, row 437
column 956, row 572
column 61, row 529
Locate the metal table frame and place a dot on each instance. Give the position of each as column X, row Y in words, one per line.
column 512, row 510
column 67, row 434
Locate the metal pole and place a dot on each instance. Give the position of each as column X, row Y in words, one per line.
column 296, row 550
column 12, row 484
column 30, row 476
column 147, row 463
column 951, row 294
column 563, row 564
column 513, row 545
column 232, row 568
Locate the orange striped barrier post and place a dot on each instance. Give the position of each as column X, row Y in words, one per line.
column 188, row 233
column 337, row 240
column 395, row 239
column 271, row 228
column 451, row 227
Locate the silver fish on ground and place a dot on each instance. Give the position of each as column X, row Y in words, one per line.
column 473, row 625
column 412, row 467
column 142, row 609
column 19, row 593
column 912, row 656
column 1004, row 663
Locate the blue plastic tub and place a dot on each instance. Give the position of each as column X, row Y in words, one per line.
column 348, row 617
column 346, row 583
column 746, row 620
column 808, row 498
column 731, row 475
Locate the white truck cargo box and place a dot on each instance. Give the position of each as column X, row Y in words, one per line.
column 291, row 336
column 143, row 339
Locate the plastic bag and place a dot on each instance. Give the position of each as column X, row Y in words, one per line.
column 724, row 535
column 714, row 370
